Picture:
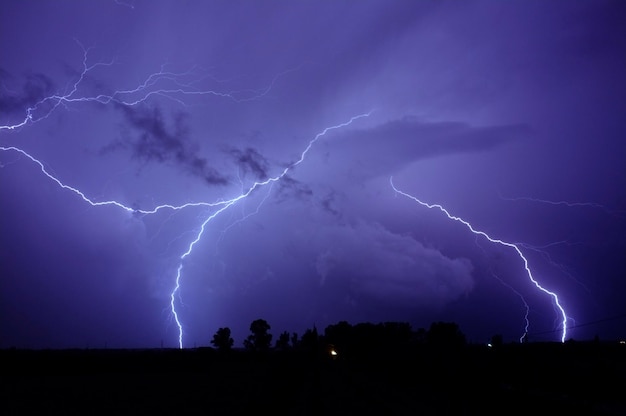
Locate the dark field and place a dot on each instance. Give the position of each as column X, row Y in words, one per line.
column 585, row 378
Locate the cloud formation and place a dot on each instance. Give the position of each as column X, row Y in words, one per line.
column 35, row 87
column 250, row 160
column 379, row 265
column 386, row 147
column 152, row 140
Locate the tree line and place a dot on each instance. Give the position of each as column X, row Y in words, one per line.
column 346, row 339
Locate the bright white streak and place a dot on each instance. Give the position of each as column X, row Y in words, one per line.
column 229, row 203
column 497, row 241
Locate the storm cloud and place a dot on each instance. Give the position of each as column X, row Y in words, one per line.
column 19, row 94
column 250, row 160
column 151, row 138
column 188, row 104
column 378, row 264
column 387, row 147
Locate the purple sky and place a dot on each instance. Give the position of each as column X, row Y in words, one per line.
column 480, row 106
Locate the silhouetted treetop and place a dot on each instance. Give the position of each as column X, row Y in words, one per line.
column 367, row 337
column 445, row 334
column 282, row 343
column 222, row 340
column 260, row 339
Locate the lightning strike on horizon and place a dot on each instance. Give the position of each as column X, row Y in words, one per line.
column 526, row 321
column 43, row 108
column 233, row 201
column 222, row 204
column 180, row 268
column 529, row 273
column 512, row 289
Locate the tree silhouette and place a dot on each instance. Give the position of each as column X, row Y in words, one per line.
column 396, row 335
column 282, row 343
column 310, row 340
column 368, row 338
column 496, row 341
column 339, row 334
column 260, row 339
column 445, row 334
column 420, row 336
column 222, row 340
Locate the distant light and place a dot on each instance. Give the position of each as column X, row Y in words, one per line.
column 489, row 344
column 333, row 352
column 622, row 342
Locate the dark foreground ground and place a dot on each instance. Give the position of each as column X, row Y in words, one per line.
column 581, row 378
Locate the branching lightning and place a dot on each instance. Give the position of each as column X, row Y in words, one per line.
column 153, row 85
column 227, row 204
column 222, row 204
column 557, row 303
column 248, row 215
column 527, row 308
column 567, row 204
column 524, row 335
column 561, row 267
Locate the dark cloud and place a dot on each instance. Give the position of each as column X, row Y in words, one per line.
column 387, row 147
column 418, row 139
column 250, row 160
column 34, row 88
column 384, row 266
column 331, row 239
column 154, row 141
column 328, row 203
column 290, row 188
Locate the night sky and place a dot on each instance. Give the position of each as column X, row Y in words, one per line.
column 511, row 115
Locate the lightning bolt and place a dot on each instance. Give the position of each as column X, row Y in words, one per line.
column 512, row 289
column 248, row 215
column 526, row 321
column 552, row 262
column 219, row 203
column 228, row 203
column 172, row 86
column 153, row 85
column 555, row 297
column 222, row 205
